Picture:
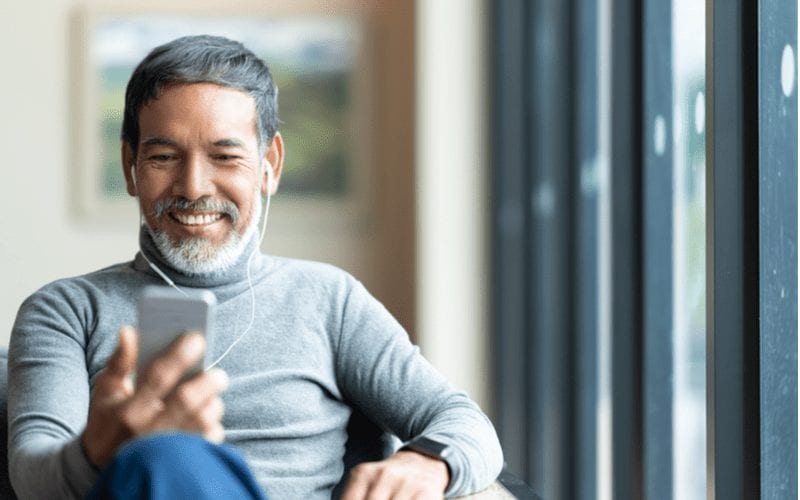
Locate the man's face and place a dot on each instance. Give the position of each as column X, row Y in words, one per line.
column 198, row 171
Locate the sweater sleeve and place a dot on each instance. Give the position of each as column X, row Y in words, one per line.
column 48, row 400
column 386, row 377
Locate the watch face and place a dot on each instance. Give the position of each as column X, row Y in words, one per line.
column 429, row 447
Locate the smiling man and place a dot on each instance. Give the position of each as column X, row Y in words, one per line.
column 309, row 371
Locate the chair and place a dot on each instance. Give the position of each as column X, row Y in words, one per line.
column 5, row 483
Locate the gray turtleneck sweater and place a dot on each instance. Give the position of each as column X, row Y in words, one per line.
column 323, row 369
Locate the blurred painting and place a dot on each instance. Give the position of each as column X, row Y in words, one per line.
column 314, row 61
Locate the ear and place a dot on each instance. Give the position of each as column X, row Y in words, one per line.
column 128, row 161
column 272, row 162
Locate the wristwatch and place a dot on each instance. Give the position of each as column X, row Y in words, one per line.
column 429, row 447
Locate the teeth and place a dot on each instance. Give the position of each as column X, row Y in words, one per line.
column 196, row 220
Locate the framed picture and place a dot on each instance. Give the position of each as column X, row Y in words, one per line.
column 318, row 63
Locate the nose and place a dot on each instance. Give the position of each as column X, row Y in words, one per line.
column 194, row 179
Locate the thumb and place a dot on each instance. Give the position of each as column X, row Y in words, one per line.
column 123, row 361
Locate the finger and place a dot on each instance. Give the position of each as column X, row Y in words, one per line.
column 114, row 383
column 123, row 360
column 213, row 412
column 211, row 417
column 358, row 484
column 190, row 398
column 206, row 420
column 384, row 485
column 407, row 489
column 162, row 374
column 216, row 434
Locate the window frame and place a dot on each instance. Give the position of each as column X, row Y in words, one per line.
column 752, row 171
column 543, row 367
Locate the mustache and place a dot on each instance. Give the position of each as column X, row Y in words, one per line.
column 200, row 205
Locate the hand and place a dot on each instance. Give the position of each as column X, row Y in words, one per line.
column 406, row 474
column 160, row 400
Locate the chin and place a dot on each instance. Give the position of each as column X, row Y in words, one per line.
column 199, row 256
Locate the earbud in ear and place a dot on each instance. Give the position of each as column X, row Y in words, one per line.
column 133, row 178
column 270, row 180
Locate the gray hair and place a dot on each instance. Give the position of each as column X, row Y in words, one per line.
column 202, row 59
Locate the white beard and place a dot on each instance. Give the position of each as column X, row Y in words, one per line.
column 198, row 256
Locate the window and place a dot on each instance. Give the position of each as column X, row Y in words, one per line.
column 645, row 246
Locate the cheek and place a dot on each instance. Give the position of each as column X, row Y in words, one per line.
column 148, row 203
column 153, row 189
column 247, row 196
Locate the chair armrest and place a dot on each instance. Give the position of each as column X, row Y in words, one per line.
column 507, row 486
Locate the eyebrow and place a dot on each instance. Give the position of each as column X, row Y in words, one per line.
column 157, row 141
column 229, row 143
column 222, row 143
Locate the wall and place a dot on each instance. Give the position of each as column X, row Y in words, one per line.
column 41, row 241
column 452, row 192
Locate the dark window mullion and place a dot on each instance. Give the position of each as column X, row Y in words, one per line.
column 511, row 250
column 626, row 237
column 732, row 250
column 552, row 164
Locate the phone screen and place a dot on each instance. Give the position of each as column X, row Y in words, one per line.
column 165, row 313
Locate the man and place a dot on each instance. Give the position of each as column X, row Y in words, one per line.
column 308, row 367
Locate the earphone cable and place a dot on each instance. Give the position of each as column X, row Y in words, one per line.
column 256, row 250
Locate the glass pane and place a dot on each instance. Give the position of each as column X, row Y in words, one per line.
column 689, row 279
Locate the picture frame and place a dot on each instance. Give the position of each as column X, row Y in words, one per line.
column 319, row 62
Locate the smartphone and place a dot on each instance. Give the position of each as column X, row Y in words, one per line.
column 164, row 313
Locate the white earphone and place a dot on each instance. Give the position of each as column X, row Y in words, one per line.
column 133, row 178
column 270, row 177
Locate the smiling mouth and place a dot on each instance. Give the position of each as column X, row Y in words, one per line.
column 196, row 219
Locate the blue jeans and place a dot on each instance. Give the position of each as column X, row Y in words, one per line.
column 173, row 466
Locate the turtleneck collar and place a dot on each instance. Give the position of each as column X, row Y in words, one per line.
column 222, row 283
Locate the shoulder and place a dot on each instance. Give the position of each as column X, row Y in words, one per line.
column 77, row 291
column 99, row 279
column 70, row 307
column 307, row 268
column 311, row 276
column 329, row 288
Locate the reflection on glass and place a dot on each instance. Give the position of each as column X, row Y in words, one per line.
column 603, row 456
column 689, row 311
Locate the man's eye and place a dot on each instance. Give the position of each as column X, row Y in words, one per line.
column 226, row 157
column 161, row 158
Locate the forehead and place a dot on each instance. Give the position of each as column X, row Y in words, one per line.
column 199, row 110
